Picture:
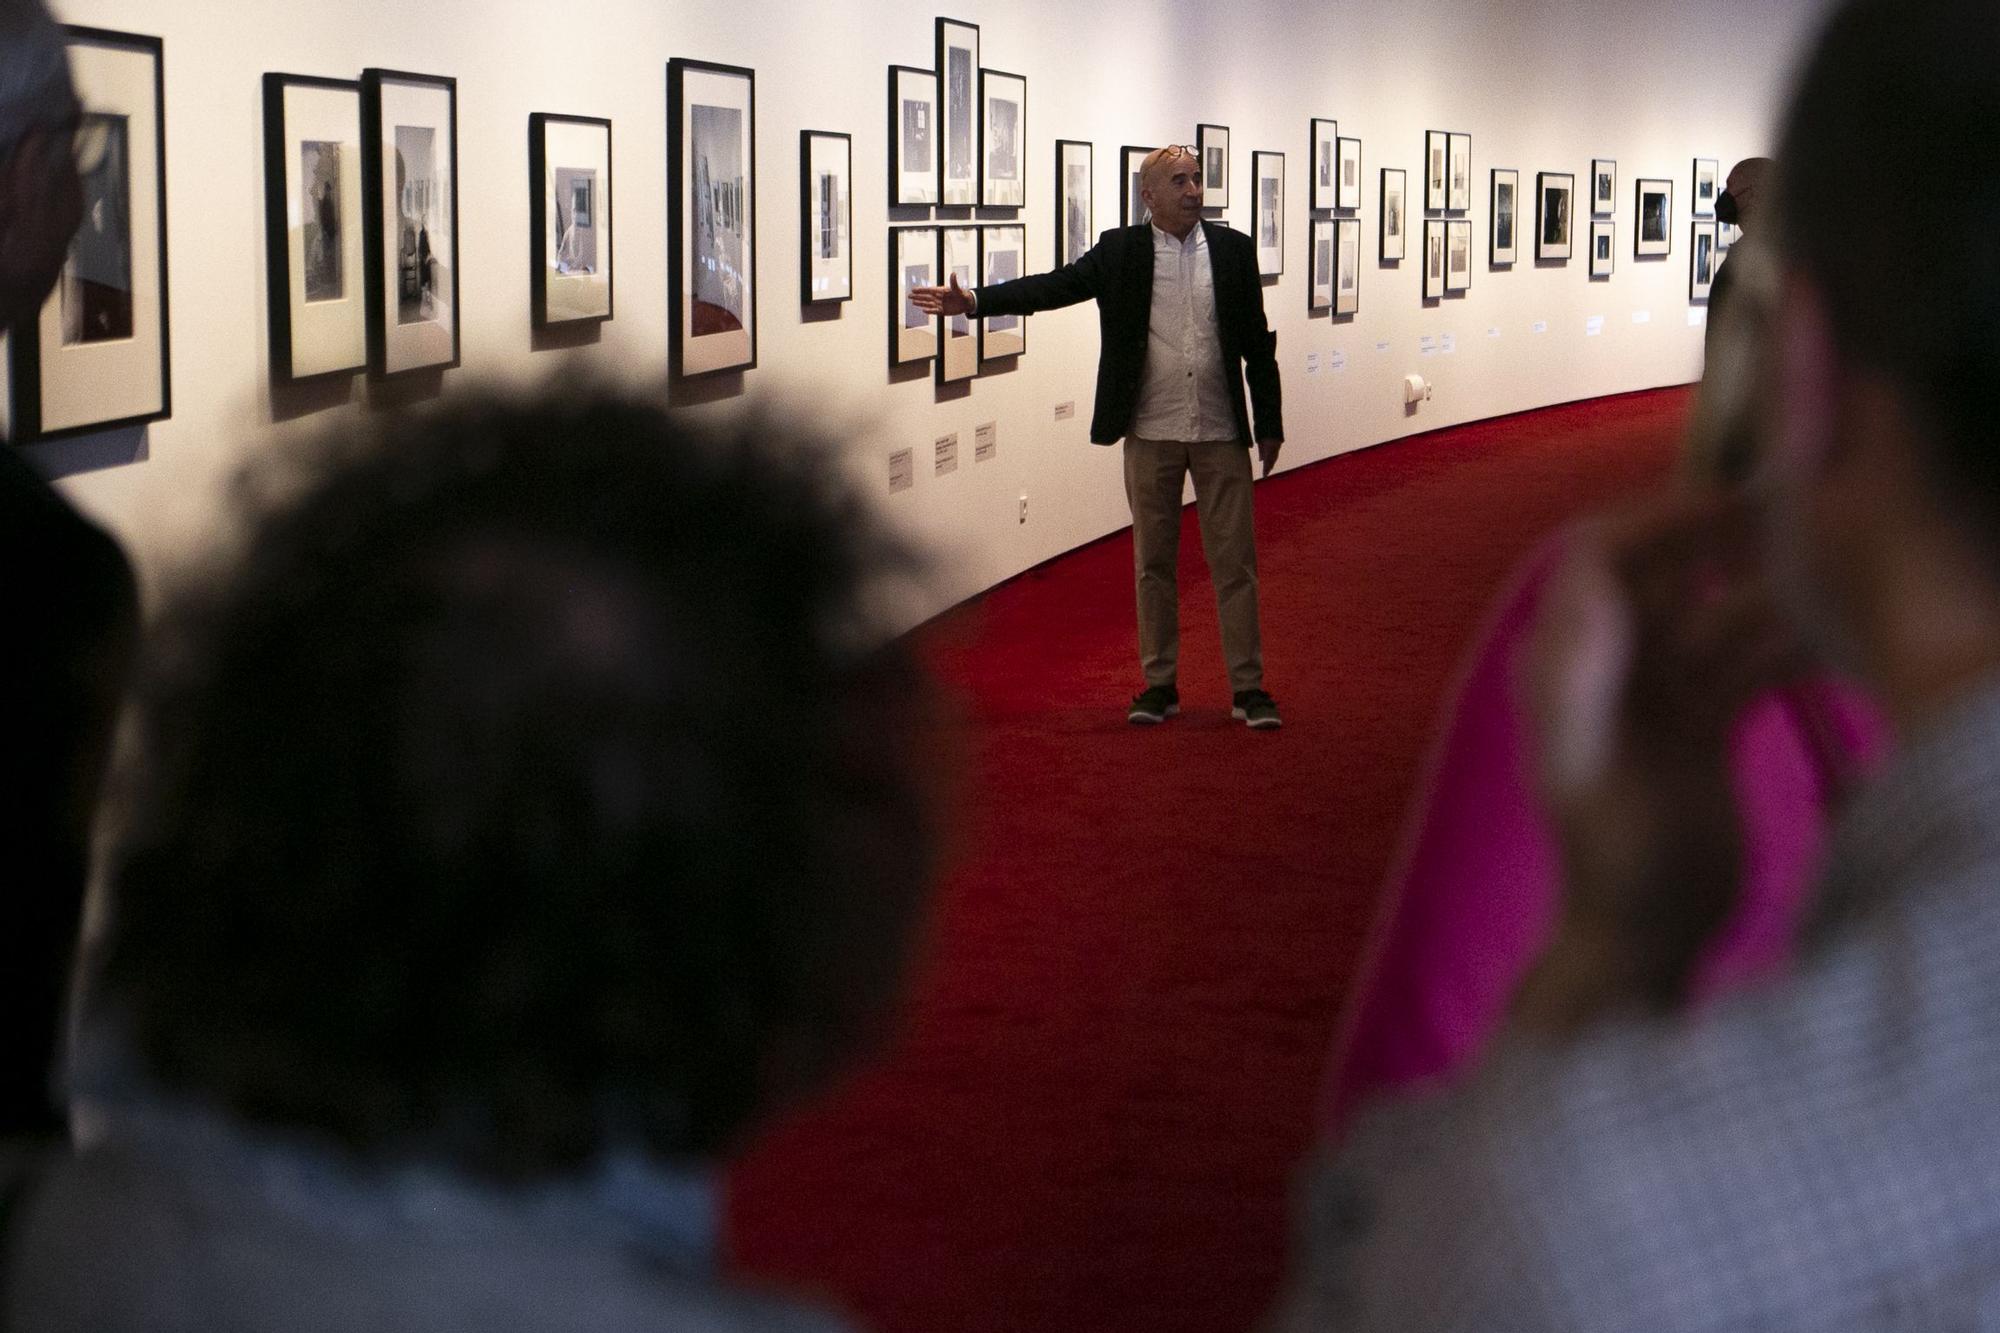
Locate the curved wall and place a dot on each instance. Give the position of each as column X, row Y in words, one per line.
column 1539, row 84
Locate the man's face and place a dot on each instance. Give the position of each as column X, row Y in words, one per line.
column 1172, row 190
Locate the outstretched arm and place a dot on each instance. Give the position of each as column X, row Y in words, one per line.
column 1023, row 296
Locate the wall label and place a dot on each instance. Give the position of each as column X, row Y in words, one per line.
column 1697, row 317
column 1381, row 348
column 1427, row 345
column 1312, row 363
column 1593, row 326
column 1064, row 411
column 985, row 442
column 902, row 470
column 1493, row 332
column 1642, row 317
column 947, row 453
column 1338, row 360
column 1449, row 344
column 1541, row 326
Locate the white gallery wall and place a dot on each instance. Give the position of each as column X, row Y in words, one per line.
column 1541, row 85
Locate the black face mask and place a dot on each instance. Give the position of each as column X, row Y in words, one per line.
column 1725, row 209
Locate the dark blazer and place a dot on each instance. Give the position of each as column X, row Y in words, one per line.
column 1117, row 273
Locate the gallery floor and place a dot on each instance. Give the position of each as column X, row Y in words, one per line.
column 1117, row 1037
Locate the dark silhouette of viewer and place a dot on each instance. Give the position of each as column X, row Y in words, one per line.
column 531, row 810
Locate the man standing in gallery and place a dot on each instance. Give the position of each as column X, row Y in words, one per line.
column 1181, row 312
column 1736, row 207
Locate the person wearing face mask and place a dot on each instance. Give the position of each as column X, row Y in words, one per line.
column 1735, row 207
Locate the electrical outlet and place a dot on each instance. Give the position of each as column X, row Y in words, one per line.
column 1024, row 506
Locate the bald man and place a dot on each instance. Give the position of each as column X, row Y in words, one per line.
column 1181, row 314
column 1737, row 206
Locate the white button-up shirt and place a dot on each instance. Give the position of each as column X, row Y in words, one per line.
column 1185, row 395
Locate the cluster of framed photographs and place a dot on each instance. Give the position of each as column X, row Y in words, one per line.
column 1336, row 274
column 1447, row 256
column 957, row 131
column 930, row 256
column 1447, row 171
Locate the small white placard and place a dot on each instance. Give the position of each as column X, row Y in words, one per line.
column 1697, row 316
column 1381, row 348
column 1493, row 332
column 1427, row 345
column 1312, row 363
column 947, row 453
column 1541, row 326
column 1449, row 344
column 985, row 442
column 902, row 470
column 1593, row 326
column 1642, row 317
column 1338, row 360
column 1064, row 411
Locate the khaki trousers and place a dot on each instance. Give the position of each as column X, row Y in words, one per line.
column 1223, row 488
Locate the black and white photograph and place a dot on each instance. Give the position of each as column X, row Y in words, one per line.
column 958, row 112
column 1504, row 244
column 1395, row 197
column 1324, row 138
column 424, row 280
column 913, row 335
column 1131, row 204
column 958, row 258
column 913, row 151
column 1319, row 292
column 1075, row 199
column 1603, row 186
column 1460, row 196
column 1348, row 195
column 313, row 224
column 1003, row 128
column 1553, row 191
column 96, row 354
column 1705, row 173
column 711, row 144
column 1437, row 148
column 1701, row 261
column 826, row 216
column 1434, row 238
column 569, row 217
column 1003, row 252
column 1267, row 176
column 1458, row 255
column 1653, row 218
column 410, row 132
column 1603, row 236
column 1211, row 147
column 1347, row 266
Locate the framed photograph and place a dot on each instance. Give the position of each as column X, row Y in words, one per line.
column 1603, row 235
column 1504, row 244
column 913, row 335
column 1003, row 255
column 1319, row 292
column 711, row 217
column 1348, row 196
column 1003, row 138
column 1211, row 146
column 1652, row 227
column 1704, row 256
column 1395, row 188
column 1460, row 197
column 1705, row 179
column 1603, row 186
column 1132, row 205
column 1267, row 174
column 569, row 217
column 826, row 216
column 409, row 146
column 1433, row 258
column 958, row 113
column 1325, row 159
column 1458, row 255
column 958, row 339
column 95, row 357
column 312, row 227
column 1554, row 191
column 1347, row 266
column 1437, row 147
column 1075, row 200
column 913, row 152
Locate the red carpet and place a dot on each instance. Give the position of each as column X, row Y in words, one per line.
column 1115, row 1044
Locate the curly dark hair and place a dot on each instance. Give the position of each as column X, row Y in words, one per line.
column 533, row 781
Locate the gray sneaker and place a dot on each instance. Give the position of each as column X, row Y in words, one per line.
column 1153, row 705
column 1256, row 710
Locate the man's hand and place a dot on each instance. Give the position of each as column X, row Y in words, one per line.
column 952, row 300
column 1268, row 451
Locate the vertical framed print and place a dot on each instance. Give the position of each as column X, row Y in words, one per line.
column 312, row 227
column 1003, row 253
column 1603, row 235
column 1460, row 198
column 1348, row 193
column 1003, row 138
column 958, row 341
column 1132, row 208
column 1603, row 186
column 913, row 154
column 958, row 113
column 1458, row 255
column 1267, row 172
column 95, row 356
column 1705, row 177
column 1211, row 150
column 1075, row 199
column 913, row 335
column 1553, row 199
column 826, row 216
column 1395, row 206
column 1504, row 243
column 1437, row 147
column 409, row 130
column 569, row 218
column 711, row 217
column 1433, row 258
column 1319, row 292
column 1653, row 218
column 1701, row 261
column 1325, row 160
column 1347, row 266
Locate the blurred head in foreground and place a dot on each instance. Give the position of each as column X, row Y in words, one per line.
column 535, row 787
column 41, row 196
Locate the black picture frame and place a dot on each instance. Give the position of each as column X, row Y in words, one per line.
column 1457, row 247
column 1603, row 248
column 1437, row 169
column 1132, row 209
column 995, row 189
column 1434, row 258
column 958, row 353
column 1503, row 228
column 1323, row 163
column 999, row 340
column 909, row 186
column 1652, row 226
column 387, row 357
column 911, row 343
column 1346, row 277
column 1458, row 172
column 958, row 118
column 819, row 286
column 1393, row 215
column 1320, row 263
column 1073, row 241
column 1603, row 186
column 342, row 324
column 1348, row 198
column 728, row 349
column 1549, row 186
column 539, row 187
column 1213, row 141
column 1704, row 258
column 45, row 404
column 1706, row 186
column 1267, row 215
